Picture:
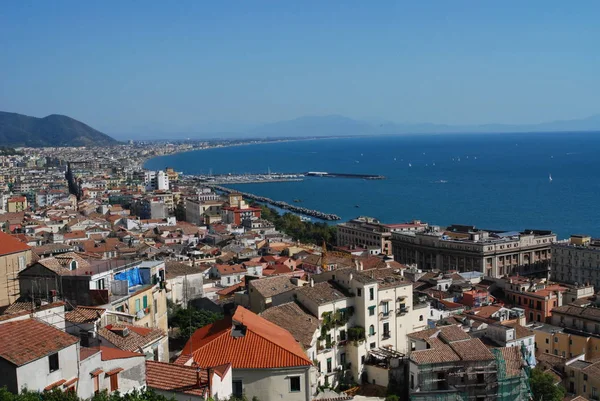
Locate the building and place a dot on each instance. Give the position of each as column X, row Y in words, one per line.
column 109, row 369
column 369, row 232
column 189, row 383
column 238, row 211
column 359, row 312
column 228, row 274
column 156, row 180
column 184, row 282
column 266, row 360
column 16, row 204
column 467, row 248
column 454, row 366
column 577, row 260
column 268, row 292
column 14, row 257
column 37, row 356
column 152, row 343
column 197, row 209
column 537, row 299
column 565, row 342
column 578, row 319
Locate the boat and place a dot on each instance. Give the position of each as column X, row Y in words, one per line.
column 305, row 219
column 550, row 177
column 409, row 165
column 356, row 206
column 297, row 200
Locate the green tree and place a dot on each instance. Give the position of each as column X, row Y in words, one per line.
column 292, row 225
column 543, row 387
column 190, row 319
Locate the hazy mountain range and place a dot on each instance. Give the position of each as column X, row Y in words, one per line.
column 335, row 125
column 54, row 130
column 57, row 130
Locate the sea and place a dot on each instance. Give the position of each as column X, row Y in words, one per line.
column 547, row 181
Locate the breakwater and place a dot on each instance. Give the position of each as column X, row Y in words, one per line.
column 283, row 205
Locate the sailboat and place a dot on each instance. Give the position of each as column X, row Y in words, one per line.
column 550, row 177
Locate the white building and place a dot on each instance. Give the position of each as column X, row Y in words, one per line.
column 37, row 356
column 156, row 180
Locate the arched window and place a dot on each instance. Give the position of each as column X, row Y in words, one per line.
column 420, row 318
column 371, row 330
column 73, row 265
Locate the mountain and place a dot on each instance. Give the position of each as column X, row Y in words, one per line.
column 343, row 126
column 54, row 130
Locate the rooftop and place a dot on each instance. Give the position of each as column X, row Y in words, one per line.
column 293, row 318
column 321, row 293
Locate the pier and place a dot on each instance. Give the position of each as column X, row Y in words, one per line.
column 280, row 204
column 220, row 179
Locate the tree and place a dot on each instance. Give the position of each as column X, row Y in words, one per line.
column 292, row 225
column 190, row 319
column 57, row 395
column 543, row 387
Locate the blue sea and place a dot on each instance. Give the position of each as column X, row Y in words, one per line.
column 492, row 181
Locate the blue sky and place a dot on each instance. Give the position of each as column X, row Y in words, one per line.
column 125, row 66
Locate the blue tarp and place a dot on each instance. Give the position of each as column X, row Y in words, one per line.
column 133, row 276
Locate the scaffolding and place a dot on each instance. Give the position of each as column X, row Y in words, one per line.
column 512, row 387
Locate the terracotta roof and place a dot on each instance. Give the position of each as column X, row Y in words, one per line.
column 263, row 344
column 471, row 350
column 231, row 289
column 22, row 306
column 85, row 352
column 137, row 338
column 520, row 331
column 84, row 314
column 9, row 244
column 439, row 354
column 453, row 333
column 176, row 378
column 513, row 360
column 230, row 269
column 176, row 269
column 294, row 319
column 25, row 341
column 108, row 353
column 583, row 312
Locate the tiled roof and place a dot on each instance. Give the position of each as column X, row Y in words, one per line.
column 25, row 341
column 321, row 293
column 453, row 333
column 21, row 306
column 521, row 331
column 176, row 269
column 441, row 354
column 231, row 289
column 138, row 337
column 471, row 350
column 268, row 287
column 299, row 323
column 108, row 353
column 84, row 314
column 176, row 378
column 9, row 244
column 578, row 311
column 513, row 360
column 262, row 345
column 230, row 269
column 85, row 352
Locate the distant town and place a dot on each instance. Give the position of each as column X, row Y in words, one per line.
column 116, row 278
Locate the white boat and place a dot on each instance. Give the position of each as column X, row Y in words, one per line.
column 409, row 165
column 550, row 177
column 305, row 218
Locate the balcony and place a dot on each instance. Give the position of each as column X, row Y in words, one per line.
column 402, row 311
column 385, row 336
column 384, row 315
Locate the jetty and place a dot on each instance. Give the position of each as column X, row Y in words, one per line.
column 344, row 175
column 280, row 204
column 275, row 177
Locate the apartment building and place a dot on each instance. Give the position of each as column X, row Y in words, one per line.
column 156, row 180
column 360, row 312
column 578, row 319
column 565, row 342
column 576, row 260
column 537, row 299
column 467, row 248
column 369, row 232
column 196, row 209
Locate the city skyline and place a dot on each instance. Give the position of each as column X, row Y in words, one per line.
column 213, row 67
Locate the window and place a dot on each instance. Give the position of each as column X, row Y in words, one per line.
column 371, row 294
column 137, row 305
column 385, row 308
column 584, row 377
column 53, row 362
column 114, row 382
column 228, row 280
column 386, row 330
column 343, row 359
column 555, row 339
column 359, row 292
column 237, row 388
column 412, row 380
column 96, row 384
column 372, row 345
column 294, row 384
column 420, row 318
column 371, row 330
column 342, row 335
column 329, row 367
column 73, row 265
column 371, row 310
column 145, row 301
column 547, row 341
column 21, row 262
